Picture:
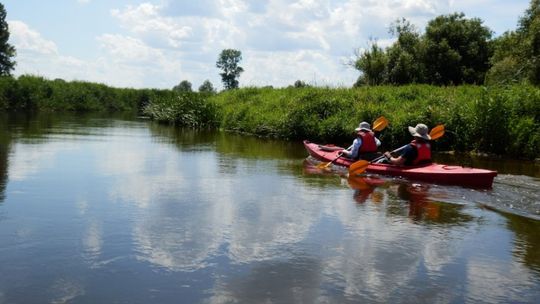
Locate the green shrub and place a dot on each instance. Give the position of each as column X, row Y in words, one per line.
column 182, row 108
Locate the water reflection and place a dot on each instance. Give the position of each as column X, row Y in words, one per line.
column 191, row 205
column 231, row 144
column 364, row 188
column 163, row 214
column 278, row 281
column 5, row 143
column 423, row 207
column 527, row 239
column 93, row 242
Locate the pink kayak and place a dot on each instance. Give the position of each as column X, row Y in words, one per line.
column 436, row 173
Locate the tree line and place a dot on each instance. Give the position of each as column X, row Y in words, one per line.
column 455, row 50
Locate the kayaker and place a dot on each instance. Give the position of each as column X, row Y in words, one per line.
column 364, row 145
column 417, row 152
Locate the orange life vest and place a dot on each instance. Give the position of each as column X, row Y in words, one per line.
column 368, row 142
column 423, row 152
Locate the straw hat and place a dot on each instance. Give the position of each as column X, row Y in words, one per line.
column 421, row 131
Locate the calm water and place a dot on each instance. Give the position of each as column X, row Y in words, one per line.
column 121, row 210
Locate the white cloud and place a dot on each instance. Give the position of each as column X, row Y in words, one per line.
column 127, row 49
column 124, row 61
column 83, row 1
column 26, row 39
column 284, row 32
column 163, row 42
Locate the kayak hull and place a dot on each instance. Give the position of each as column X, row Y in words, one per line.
column 435, row 173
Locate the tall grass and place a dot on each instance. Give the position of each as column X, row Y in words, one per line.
column 30, row 93
column 185, row 109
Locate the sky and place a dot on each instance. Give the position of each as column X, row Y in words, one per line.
column 157, row 44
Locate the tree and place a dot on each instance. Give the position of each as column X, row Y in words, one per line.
column 372, row 63
column 300, row 84
column 531, row 14
column 516, row 56
column 183, row 86
column 405, row 55
column 207, row 87
column 509, row 63
column 7, row 51
column 529, row 31
column 228, row 62
column 457, row 50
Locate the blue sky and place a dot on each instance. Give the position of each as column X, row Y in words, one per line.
column 157, row 44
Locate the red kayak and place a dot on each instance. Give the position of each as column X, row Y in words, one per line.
column 436, row 173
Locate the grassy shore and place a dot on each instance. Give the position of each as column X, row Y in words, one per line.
column 502, row 120
column 32, row 93
column 496, row 120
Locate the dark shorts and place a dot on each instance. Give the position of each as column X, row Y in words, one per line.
column 367, row 156
column 370, row 156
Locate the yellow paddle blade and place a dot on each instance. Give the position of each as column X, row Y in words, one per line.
column 380, row 123
column 358, row 167
column 323, row 165
column 437, row 132
column 357, row 182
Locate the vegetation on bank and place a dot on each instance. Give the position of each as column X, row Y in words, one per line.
column 501, row 120
column 31, row 93
column 187, row 109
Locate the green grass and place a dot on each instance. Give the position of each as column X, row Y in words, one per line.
column 31, row 93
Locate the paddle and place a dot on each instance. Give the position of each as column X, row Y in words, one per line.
column 378, row 125
column 361, row 165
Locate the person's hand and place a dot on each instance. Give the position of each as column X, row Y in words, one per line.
column 387, row 155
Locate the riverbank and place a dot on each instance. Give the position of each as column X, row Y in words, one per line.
column 32, row 93
column 502, row 120
column 494, row 120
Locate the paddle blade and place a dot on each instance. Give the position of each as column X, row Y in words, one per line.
column 357, row 182
column 323, row 165
column 437, row 132
column 380, row 124
column 358, row 167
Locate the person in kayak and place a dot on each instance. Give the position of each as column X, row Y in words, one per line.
column 364, row 145
column 417, row 152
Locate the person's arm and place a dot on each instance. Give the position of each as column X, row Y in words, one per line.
column 356, row 147
column 352, row 152
column 402, row 158
column 377, row 142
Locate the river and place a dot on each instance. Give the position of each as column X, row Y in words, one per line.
column 97, row 209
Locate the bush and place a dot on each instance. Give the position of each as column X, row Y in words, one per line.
column 184, row 109
column 29, row 93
